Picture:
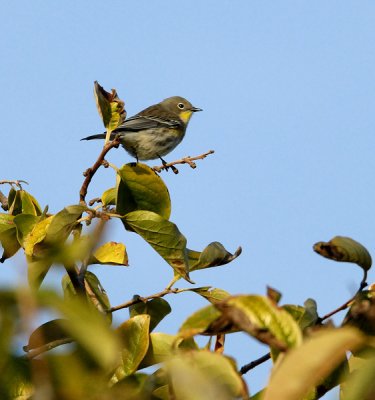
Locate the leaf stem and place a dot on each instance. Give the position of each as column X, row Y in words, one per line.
column 49, row 346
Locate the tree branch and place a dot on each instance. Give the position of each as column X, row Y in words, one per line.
column 3, row 199
column 344, row 306
column 16, row 182
column 139, row 299
column 267, row 356
column 186, row 160
column 247, row 367
column 90, row 172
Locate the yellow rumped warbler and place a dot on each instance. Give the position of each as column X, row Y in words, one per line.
column 155, row 131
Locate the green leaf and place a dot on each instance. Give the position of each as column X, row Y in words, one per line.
column 24, row 224
column 11, row 200
column 212, row 295
column 86, row 326
column 109, row 197
column 310, row 363
column 47, row 243
column 37, row 270
column 337, row 376
column 62, row 223
column 110, row 253
column 305, row 316
column 199, row 322
column 22, row 202
column 29, row 204
column 202, row 375
column 6, row 222
column 9, row 317
column 133, row 387
column 360, row 383
column 258, row 395
column 345, row 249
column 110, row 107
column 34, row 236
column 161, row 393
column 141, row 188
column 16, row 379
column 213, row 255
column 70, row 376
column 261, row 318
column 8, row 236
column 47, row 333
column 163, row 236
column 94, row 292
column 157, row 309
column 161, row 347
column 134, row 334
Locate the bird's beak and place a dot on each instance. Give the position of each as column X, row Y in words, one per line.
column 195, row 109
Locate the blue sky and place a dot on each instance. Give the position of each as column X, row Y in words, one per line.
column 287, row 90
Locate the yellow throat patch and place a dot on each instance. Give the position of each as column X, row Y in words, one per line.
column 185, row 116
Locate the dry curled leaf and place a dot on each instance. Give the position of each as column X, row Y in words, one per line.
column 345, row 249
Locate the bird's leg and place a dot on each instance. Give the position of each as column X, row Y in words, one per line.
column 134, row 164
column 135, row 155
column 165, row 165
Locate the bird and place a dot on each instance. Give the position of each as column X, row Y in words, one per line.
column 155, row 131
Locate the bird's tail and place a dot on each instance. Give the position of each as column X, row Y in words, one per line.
column 99, row 136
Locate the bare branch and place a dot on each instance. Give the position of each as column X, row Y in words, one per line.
column 344, row 306
column 139, row 299
column 247, row 367
column 186, row 160
column 90, row 172
column 16, row 182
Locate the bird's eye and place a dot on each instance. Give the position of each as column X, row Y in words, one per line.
column 181, row 106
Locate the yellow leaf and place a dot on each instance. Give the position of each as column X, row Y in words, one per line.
column 110, row 253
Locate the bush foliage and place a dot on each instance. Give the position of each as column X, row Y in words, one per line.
column 79, row 354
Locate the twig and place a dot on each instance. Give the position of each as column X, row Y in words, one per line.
column 49, row 346
column 95, row 200
column 344, row 306
column 16, row 182
column 267, row 356
column 247, row 367
column 3, row 198
column 186, row 160
column 90, row 172
column 139, row 299
column 338, row 309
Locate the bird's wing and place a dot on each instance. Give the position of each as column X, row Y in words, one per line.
column 140, row 122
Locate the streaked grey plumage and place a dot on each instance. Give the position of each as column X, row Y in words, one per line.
column 155, row 131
